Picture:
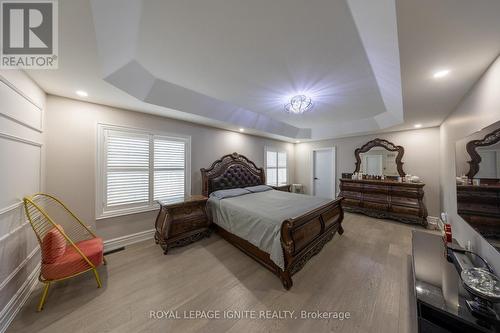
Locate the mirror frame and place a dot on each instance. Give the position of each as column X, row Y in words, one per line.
column 488, row 140
column 384, row 144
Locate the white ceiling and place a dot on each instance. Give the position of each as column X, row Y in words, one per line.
column 460, row 35
column 256, row 53
column 233, row 64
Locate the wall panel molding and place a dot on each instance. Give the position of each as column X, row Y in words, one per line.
column 19, row 139
column 20, row 92
column 19, row 267
column 10, row 310
column 32, row 143
column 10, row 208
column 17, row 121
column 22, row 106
column 25, row 107
column 13, row 231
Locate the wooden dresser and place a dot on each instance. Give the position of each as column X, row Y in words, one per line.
column 181, row 222
column 385, row 199
column 480, row 206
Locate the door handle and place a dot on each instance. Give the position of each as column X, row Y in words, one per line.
column 316, row 178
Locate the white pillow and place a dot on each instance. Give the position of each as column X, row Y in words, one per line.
column 234, row 192
column 258, row 188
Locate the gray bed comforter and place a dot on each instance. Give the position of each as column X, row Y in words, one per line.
column 257, row 217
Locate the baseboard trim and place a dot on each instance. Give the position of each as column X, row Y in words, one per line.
column 17, row 301
column 116, row 243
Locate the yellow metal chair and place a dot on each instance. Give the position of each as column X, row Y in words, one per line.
column 69, row 247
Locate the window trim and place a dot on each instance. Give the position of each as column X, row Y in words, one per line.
column 277, row 150
column 100, row 209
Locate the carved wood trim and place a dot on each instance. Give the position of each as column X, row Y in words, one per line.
column 300, row 263
column 219, row 168
column 384, row 144
column 380, row 214
column 488, row 140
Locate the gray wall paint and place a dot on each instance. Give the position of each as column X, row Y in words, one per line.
column 22, row 105
column 421, row 158
column 71, row 155
column 479, row 109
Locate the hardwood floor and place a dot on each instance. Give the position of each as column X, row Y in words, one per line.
column 366, row 271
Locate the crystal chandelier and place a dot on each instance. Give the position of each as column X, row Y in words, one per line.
column 299, row 104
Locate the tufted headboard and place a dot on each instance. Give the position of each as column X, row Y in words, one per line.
column 231, row 171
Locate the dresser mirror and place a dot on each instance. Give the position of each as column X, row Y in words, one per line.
column 380, row 158
column 478, row 182
column 381, row 196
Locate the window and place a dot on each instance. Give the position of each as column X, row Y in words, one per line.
column 276, row 168
column 127, row 169
column 169, row 168
column 137, row 168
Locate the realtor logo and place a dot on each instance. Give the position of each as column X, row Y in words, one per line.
column 29, row 34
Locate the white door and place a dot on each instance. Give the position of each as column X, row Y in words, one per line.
column 323, row 173
column 374, row 165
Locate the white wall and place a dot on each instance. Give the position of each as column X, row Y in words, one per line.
column 22, row 105
column 71, row 155
column 421, row 158
column 479, row 109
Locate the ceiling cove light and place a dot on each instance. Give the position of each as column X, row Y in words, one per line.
column 299, row 104
column 442, row 73
column 82, row 93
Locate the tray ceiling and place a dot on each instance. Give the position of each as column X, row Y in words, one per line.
column 366, row 64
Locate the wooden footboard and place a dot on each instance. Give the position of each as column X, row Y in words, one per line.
column 305, row 236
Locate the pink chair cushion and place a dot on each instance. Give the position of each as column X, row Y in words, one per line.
column 53, row 245
column 72, row 262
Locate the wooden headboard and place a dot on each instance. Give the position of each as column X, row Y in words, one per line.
column 231, row 171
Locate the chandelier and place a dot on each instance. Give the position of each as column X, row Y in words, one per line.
column 299, row 104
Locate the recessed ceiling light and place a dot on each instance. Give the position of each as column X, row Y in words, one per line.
column 442, row 73
column 242, row 130
column 82, row 93
column 417, row 125
column 297, row 141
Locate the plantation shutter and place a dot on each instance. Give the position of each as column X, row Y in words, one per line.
column 282, row 169
column 276, row 168
column 127, row 169
column 169, row 168
column 271, row 168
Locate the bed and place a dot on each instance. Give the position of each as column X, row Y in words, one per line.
column 265, row 224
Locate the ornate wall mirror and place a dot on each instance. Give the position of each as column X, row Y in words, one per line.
column 477, row 163
column 380, row 157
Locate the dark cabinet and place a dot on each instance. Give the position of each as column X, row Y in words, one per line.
column 385, row 199
column 181, row 222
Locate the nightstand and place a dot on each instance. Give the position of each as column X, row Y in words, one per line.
column 181, row 222
column 284, row 188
